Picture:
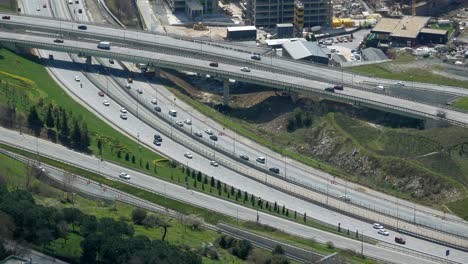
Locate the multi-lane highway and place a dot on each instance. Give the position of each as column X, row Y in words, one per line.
column 133, row 127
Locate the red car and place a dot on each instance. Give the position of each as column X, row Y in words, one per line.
column 101, row 94
column 350, row 39
column 340, row 39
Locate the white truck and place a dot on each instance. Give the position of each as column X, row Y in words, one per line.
column 104, row 45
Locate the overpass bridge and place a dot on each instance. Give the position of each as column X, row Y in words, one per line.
column 228, row 71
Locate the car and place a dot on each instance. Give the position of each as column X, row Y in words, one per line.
column 188, row 155
column 157, row 109
column 70, row 2
column 179, row 123
column 401, row 83
column 400, row 240
column 157, row 137
column 140, row 91
column 154, row 101
column 157, row 143
column 123, row 116
column 377, row 226
column 127, row 85
column 83, row 27
column 101, row 93
column 77, row 2
column 6, row 17
column 77, row 78
column 58, row 40
column 380, row 87
column 44, row 5
column 335, row 40
column 214, row 163
column 129, row 80
column 123, row 110
column 244, row 157
column 51, row 57
column 124, row 175
column 173, row 113
column 274, row 170
column 188, row 121
column 245, row 69
column 345, row 198
column 256, row 57
column 357, row 57
column 105, row 102
column 213, row 64
column 330, row 89
column 214, row 138
column 198, row 134
column 38, row 9
column 111, row 61
column 345, row 40
column 209, row 131
column 383, row 232
column 80, row 11
column 260, row 159
column 340, row 39
column 338, row 87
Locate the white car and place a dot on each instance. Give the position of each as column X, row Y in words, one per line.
column 179, row 123
column 214, row 163
column 140, row 91
column 105, row 102
column 245, row 69
column 198, row 134
column 400, row 83
column 261, row 160
column 127, row 85
column 38, row 9
column 380, row 87
column 188, row 121
column 77, row 78
column 345, row 198
column 154, row 101
column 123, row 116
column 377, row 226
column 123, row 110
column 209, row 131
column 383, row 232
column 124, row 175
column 188, row 155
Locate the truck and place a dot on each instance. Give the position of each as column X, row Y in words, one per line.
column 104, row 45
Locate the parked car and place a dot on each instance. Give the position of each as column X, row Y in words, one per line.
column 383, row 232
column 400, row 240
column 111, row 61
column 377, row 226
column 244, row 157
column 124, row 175
column 127, row 85
column 105, row 102
column 214, row 138
column 209, row 131
column 157, row 143
column 188, row 155
column 123, row 116
column 101, row 93
column 179, row 123
column 213, row 64
column 140, row 91
column 157, row 109
column 214, row 163
column 51, row 57
column 274, row 170
column 80, row 11
column 123, row 110
column 157, row 137
column 261, row 159
column 245, row 69
column 154, row 101
column 256, row 57
column 338, row 87
column 188, row 121
column 77, row 78
column 83, row 27
column 198, row 134
column 345, row 198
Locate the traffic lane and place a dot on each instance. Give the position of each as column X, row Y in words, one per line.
column 175, row 191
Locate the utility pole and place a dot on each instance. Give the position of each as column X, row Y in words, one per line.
column 362, row 244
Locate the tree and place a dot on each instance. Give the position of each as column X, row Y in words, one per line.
column 194, row 221
column 153, row 221
column 75, row 136
column 278, row 250
column 212, row 182
column 34, row 121
column 275, row 207
column 305, row 217
column 218, row 185
column 205, row 179
column 225, row 188
column 287, row 212
column 239, row 194
column 246, row 196
column 193, row 174
column 195, row 184
column 71, row 216
column 295, row 214
column 138, row 215
column 49, row 117
column 283, row 211
column 242, row 249
column 127, row 157
column 147, row 165
column 291, row 126
column 187, row 171
column 64, row 128
column 199, row 176
column 232, row 191
column 85, row 140
column 133, row 159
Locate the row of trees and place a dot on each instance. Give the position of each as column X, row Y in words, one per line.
column 59, row 123
column 299, row 120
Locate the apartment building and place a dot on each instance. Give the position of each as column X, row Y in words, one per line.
column 268, row 13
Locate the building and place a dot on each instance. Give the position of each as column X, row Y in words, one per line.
column 305, row 13
column 407, row 31
column 337, row 60
column 208, row 6
column 428, row 7
column 373, row 54
column 285, row 30
column 15, row 260
column 306, row 51
column 241, row 33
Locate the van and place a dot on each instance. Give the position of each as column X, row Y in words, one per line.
column 261, row 159
column 173, row 113
column 104, row 45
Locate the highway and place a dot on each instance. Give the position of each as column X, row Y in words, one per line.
column 387, row 252
column 114, row 112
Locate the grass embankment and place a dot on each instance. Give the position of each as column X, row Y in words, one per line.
column 8, row 5
column 125, row 11
column 461, row 103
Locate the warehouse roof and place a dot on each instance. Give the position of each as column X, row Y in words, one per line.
column 373, row 54
column 406, row 27
column 303, row 49
column 275, row 42
column 243, row 28
column 434, row 31
column 287, row 25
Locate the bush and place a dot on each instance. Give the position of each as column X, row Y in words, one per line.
column 138, row 215
column 330, row 245
column 278, row 250
column 194, row 221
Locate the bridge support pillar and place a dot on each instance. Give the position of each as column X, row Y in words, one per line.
column 88, row 60
column 226, row 92
column 157, row 72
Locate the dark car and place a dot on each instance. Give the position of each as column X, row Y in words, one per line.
column 58, row 40
column 274, row 170
column 244, row 157
column 400, row 240
column 157, row 109
column 83, row 27
column 213, row 64
column 6, row 17
column 213, row 137
column 80, row 11
column 157, row 142
column 51, row 57
column 256, row 57
column 157, row 137
column 338, row 87
column 330, row 89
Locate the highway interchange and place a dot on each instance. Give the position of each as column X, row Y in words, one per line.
column 175, row 150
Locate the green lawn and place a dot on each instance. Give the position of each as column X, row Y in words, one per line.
column 450, row 28
column 8, row 5
column 461, row 103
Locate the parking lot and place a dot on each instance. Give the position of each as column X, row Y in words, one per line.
column 345, row 48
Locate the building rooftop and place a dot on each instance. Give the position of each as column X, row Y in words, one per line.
column 373, row 54
column 242, row 28
column 288, row 25
column 434, row 31
column 275, row 42
column 303, row 49
column 406, row 27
